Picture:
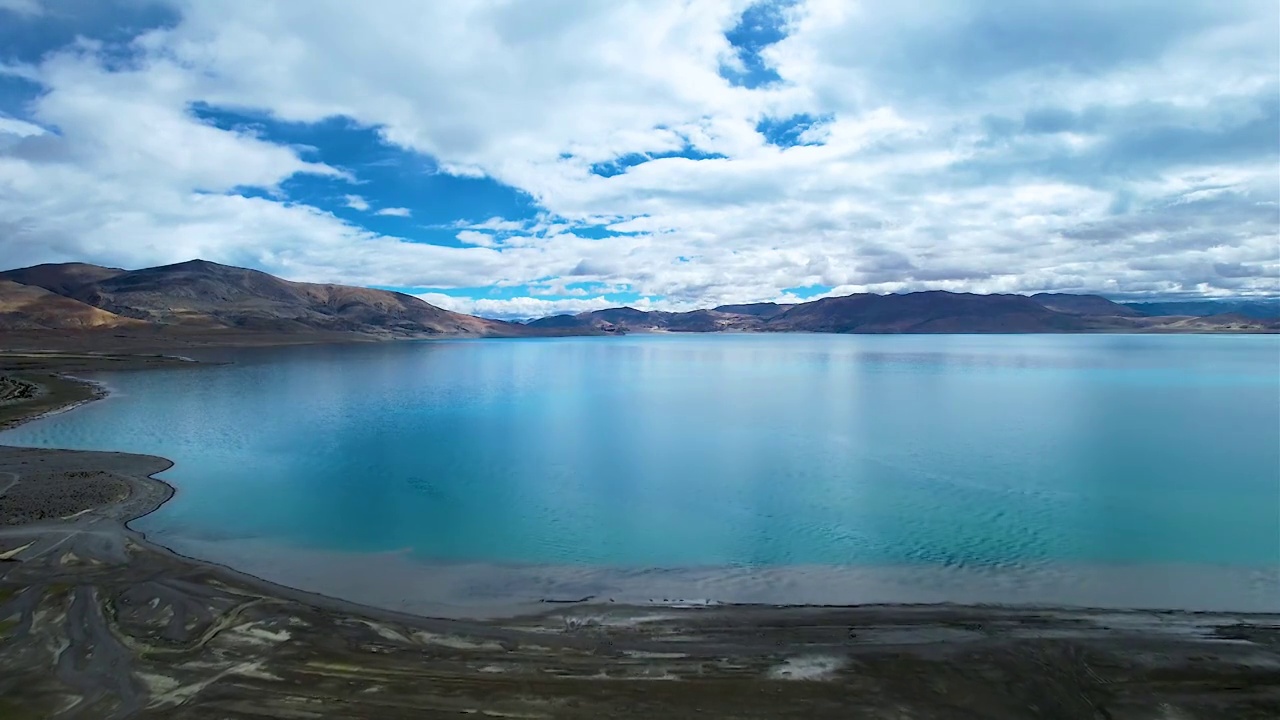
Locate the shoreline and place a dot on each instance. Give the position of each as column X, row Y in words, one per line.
column 397, row 581
column 152, row 498
column 598, row 585
column 98, row 620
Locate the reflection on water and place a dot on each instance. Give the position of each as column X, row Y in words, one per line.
column 978, row 453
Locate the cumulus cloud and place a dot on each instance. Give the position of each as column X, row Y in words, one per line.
column 355, row 202
column 1127, row 147
column 497, row 224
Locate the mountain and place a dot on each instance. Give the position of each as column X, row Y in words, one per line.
column 918, row 312
column 60, row 278
column 1084, row 305
column 27, row 307
column 1224, row 322
column 201, row 296
column 557, row 322
column 1267, row 309
column 763, row 310
column 627, row 319
column 934, row 311
column 205, row 295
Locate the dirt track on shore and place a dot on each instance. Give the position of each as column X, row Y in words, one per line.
column 95, row 622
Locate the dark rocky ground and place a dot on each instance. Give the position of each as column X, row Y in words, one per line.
column 97, row 623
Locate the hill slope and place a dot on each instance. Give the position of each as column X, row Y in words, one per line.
column 204, row 295
column 60, row 278
column 27, row 307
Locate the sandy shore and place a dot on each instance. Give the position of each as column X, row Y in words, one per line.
column 96, row 622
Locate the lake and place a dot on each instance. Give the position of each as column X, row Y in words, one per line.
column 436, row 476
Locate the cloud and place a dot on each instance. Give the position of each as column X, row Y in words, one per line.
column 19, row 128
column 471, row 237
column 498, row 224
column 1123, row 147
column 525, row 308
column 21, row 7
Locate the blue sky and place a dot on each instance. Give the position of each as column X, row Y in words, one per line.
column 522, row 157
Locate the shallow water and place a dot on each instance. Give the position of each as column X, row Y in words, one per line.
column 1023, row 468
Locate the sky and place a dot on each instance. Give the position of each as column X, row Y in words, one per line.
column 520, row 158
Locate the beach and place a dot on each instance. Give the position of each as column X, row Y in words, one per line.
column 96, row 621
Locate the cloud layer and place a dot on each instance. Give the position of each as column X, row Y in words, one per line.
column 675, row 154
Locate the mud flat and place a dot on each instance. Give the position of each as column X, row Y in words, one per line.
column 96, row 622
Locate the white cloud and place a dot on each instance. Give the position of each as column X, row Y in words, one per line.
column 22, row 7
column 395, row 212
column 19, row 128
column 471, row 237
column 498, row 224
column 524, row 308
column 961, row 147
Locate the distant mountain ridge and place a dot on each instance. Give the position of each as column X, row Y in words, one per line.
column 934, row 311
column 203, row 296
column 1084, row 305
column 1262, row 309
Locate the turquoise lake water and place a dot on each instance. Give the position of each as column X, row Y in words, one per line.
column 928, row 455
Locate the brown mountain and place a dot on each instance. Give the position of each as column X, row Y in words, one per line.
column 27, row 307
column 204, row 295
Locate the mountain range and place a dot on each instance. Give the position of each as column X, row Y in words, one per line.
column 919, row 312
column 202, row 296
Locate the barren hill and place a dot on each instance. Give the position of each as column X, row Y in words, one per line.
column 26, row 307
column 60, row 278
column 205, row 295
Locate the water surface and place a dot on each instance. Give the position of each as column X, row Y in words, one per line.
column 791, row 467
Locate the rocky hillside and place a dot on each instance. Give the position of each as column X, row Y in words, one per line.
column 27, row 307
column 205, row 295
